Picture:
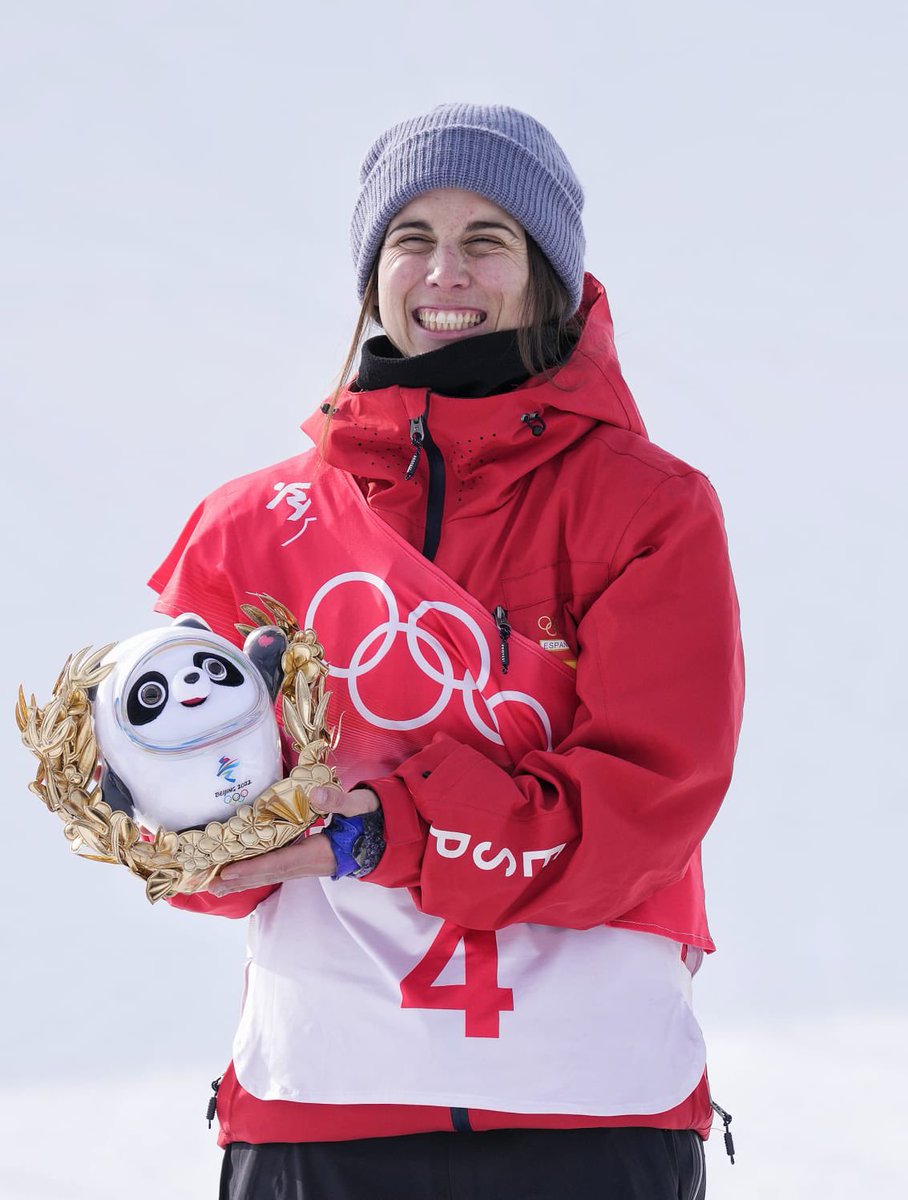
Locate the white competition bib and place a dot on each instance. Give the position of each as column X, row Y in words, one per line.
column 355, row 997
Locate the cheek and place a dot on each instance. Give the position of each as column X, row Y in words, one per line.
column 508, row 273
column 394, row 283
column 397, row 271
column 510, row 281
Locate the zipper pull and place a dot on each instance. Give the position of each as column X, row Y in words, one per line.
column 213, row 1102
column 504, row 632
column 726, row 1121
column 417, row 437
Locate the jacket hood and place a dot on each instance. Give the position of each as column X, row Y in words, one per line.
column 611, row 403
column 505, row 435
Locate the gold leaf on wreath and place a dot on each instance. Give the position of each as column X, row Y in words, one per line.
column 62, row 738
column 255, row 615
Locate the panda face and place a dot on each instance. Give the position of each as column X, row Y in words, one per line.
column 187, row 693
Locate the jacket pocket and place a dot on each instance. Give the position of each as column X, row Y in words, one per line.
column 548, row 604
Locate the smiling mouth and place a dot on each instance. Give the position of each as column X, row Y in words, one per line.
column 440, row 320
column 194, row 702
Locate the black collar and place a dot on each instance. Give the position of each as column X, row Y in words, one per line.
column 484, row 365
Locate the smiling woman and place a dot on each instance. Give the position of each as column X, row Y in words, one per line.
column 533, row 637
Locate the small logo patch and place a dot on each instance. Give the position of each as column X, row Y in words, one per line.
column 294, row 495
column 554, row 644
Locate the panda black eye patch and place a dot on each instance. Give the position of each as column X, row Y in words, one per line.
column 146, row 698
column 218, row 669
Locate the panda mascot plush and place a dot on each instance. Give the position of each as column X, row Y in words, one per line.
column 185, row 723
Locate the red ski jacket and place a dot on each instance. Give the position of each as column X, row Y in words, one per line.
column 550, row 505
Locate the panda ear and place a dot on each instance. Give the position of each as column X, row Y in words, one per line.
column 115, row 792
column 192, row 621
column 265, row 647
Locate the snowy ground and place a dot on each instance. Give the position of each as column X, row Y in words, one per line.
column 818, row 1113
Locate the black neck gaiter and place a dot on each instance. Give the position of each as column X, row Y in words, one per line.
column 484, row 365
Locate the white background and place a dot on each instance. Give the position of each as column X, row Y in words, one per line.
column 177, row 295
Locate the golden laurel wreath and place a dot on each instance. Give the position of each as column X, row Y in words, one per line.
column 61, row 736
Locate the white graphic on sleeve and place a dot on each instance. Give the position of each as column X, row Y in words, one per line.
column 451, row 844
column 490, row 865
column 376, row 643
column 295, row 496
column 448, row 844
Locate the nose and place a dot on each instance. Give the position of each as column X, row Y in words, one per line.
column 448, row 268
column 190, row 684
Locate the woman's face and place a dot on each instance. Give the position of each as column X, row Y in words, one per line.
column 452, row 265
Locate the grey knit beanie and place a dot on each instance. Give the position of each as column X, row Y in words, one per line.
column 502, row 154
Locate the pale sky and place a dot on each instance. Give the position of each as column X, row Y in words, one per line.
column 177, row 294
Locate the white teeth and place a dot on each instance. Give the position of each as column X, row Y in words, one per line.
column 435, row 319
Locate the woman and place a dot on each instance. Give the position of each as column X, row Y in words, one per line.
column 477, row 983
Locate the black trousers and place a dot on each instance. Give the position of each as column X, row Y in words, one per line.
column 503, row 1164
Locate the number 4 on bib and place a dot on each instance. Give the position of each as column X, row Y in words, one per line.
column 479, row 997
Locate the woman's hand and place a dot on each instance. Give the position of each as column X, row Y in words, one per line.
column 308, row 856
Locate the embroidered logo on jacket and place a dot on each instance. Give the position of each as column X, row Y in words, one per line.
column 294, row 495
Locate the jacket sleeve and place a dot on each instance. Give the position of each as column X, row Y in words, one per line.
column 619, row 808
column 236, row 904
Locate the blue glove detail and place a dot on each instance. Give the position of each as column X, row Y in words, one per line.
column 343, row 833
column 358, row 843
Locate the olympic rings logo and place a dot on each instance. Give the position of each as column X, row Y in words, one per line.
column 376, row 645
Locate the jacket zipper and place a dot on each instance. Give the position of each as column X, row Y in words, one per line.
column 417, row 437
column 504, row 632
column 420, row 440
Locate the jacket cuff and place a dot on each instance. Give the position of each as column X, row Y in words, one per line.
column 406, row 831
column 405, row 836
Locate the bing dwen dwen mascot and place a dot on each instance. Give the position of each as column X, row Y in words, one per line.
column 163, row 752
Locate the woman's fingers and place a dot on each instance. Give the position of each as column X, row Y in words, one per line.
column 348, row 804
column 310, row 856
